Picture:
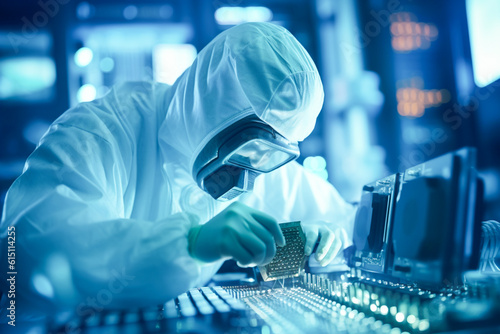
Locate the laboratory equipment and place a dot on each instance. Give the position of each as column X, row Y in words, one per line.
column 424, row 220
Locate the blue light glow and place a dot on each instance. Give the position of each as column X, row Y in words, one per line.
column 107, row 64
column 42, row 285
column 83, row 56
column 237, row 15
column 484, row 29
column 130, row 12
column 86, row 93
column 316, row 165
column 22, row 77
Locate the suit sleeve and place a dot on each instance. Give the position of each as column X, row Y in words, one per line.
column 74, row 246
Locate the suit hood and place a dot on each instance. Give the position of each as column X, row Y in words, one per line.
column 253, row 68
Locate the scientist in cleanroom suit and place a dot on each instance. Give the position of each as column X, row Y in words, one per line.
column 138, row 196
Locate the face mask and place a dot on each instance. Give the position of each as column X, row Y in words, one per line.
column 228, row 165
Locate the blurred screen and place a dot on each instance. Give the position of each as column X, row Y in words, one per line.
column 108, row 54
column 484, row 29
column 27, row 78
column 27, row 70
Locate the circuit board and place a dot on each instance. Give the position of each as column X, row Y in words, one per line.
column 290, row 259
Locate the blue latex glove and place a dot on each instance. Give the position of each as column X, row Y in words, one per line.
column 239, row 232
column 329, row 245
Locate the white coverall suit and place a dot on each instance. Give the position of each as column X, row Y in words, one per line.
column 103, row 208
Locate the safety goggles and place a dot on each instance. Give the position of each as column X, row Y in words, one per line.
column 228, row 165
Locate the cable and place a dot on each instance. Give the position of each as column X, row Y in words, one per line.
column 490, row 246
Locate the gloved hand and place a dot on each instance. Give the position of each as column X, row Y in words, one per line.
column 238, row 232
column 329, row 245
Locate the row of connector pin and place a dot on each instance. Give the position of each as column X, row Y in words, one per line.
column 400, row 305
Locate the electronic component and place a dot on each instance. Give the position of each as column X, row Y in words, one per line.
column 422, row 216
column 290, row 259
column 342, row 303
column 422, row 225
column 199, row 310
column 372, row 225
column 370, row 221
column 436, row 229
column 415, row 235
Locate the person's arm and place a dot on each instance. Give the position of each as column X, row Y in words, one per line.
column 291, row 193
column 74, row 243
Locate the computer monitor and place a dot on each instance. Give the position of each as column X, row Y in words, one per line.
column 422, row 225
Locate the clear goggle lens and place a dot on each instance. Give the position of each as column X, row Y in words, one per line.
column 259, row 155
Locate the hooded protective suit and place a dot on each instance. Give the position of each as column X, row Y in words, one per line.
column 107, row 199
